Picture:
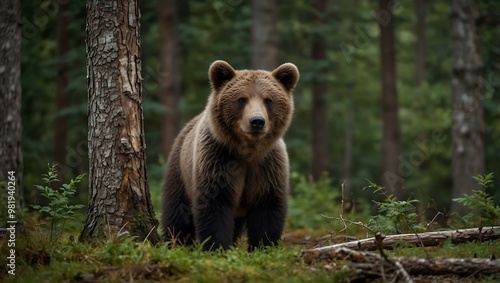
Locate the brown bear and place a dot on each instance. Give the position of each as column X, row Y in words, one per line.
column 228, row 169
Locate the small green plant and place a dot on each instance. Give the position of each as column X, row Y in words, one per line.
column 482, row 205
column 395, row 216
column 58, row 210
column 310, row 200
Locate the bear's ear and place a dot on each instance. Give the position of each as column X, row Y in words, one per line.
column 219, row 73
column 287, row 74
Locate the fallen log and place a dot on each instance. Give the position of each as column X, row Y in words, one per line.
column 370, row 265
column 426, row 239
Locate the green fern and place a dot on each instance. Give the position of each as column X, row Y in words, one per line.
column 482, row 205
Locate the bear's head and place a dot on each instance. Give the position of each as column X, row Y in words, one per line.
column 251, row 108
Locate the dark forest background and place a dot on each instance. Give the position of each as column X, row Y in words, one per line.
column 337, row 50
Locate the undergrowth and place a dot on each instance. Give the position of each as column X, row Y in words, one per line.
column 400, row 216
column 394, row 216
column 58, row 210
column 481, row 203
column 122, row 258
column 312, row 204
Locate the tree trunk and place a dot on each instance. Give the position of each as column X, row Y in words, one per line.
column 119, row 198
column 265, row 36
column 392, row 179
column 61, row 85
column 11, row 159
column 319, row 114
column 420, row 52
column 347, row 196
column 467, row 108
column 169, row 74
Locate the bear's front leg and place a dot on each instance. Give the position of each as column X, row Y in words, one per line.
column 213, row 216
column 265, row 221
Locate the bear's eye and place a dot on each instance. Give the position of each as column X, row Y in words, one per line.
column 268, row 101
column 241, row 100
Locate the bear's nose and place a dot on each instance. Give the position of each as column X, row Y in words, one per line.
column 257, row 122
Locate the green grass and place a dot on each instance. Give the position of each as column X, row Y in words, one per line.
column 62, row 259
column 120, row 259
column 123, row 259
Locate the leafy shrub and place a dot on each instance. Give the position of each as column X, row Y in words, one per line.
column 482, row 205
column 58, row 210
column 395, row 216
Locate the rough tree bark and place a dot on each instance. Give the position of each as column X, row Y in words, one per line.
column 467, row 107
column 392, row 179
column 319, row 119
column 11, row 158
column 169, row 80
column 420, row 9
column 119, row 198
column 265, row 37
column 61, row 84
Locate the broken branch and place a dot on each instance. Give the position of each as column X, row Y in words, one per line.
column 427, row 239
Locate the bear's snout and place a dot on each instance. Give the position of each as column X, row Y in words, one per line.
column 257, row 123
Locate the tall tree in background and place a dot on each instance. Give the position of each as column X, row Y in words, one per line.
column 392, row 179
column 467, row 108
column 265, row 37
column 420, row 8
column 169, row 80
column 11, row 159
column 119, row 198
column 319, row 119
column 347, row 195
column 61, row 82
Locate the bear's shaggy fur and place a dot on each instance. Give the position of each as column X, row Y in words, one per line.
column 228, row 169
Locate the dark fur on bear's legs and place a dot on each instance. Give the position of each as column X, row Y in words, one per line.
column 265, row 222
column 213, row 215
column 179, row 224
column 214, row 228
column 177, row 218
column 239, row 227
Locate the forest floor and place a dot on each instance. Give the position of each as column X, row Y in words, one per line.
column 124, row 260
